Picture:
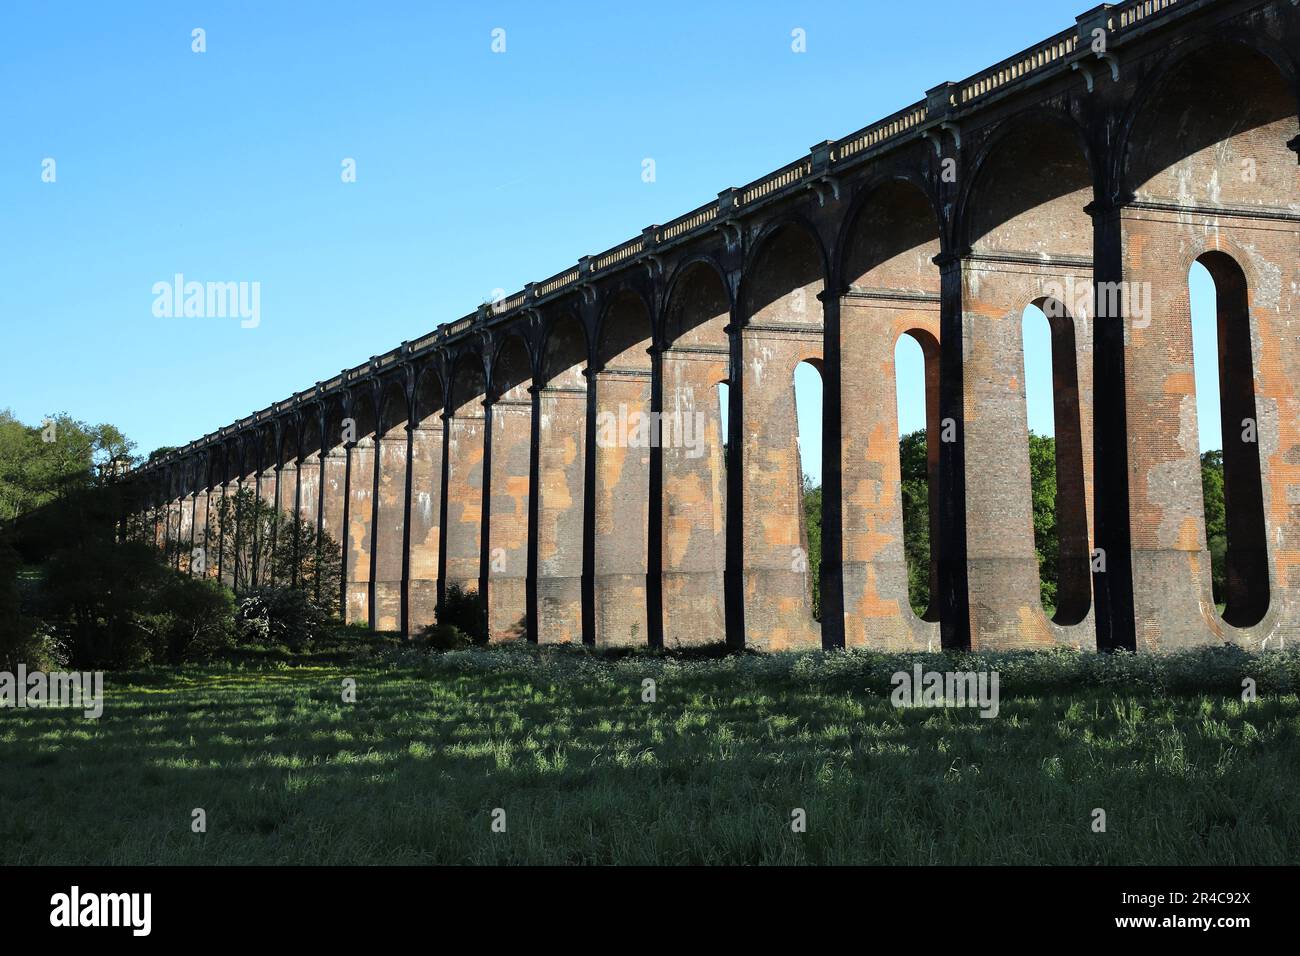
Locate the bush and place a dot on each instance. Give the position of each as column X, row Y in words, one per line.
column 465, row 610
column 99, row 596
column 443, row 637
column 279, row 616
column 193, row 619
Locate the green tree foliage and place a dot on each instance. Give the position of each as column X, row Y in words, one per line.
column 1042, row 490
column 1216, row 528
column 19, row 639
column 812, row 516
column 118, row 603
column 44, row 463
column 915, row 478
column 914, row 470
column 280, row 616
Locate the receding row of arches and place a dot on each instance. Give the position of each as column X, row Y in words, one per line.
column 532, row 480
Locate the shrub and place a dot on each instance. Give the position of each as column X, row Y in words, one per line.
column 443, row 637
column 96, row 596
column 279, row 616
column 192, row 619
column 465, row 610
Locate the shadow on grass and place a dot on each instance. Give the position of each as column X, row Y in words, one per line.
column 587, row 773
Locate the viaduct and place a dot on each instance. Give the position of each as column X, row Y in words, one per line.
column 1108, row 158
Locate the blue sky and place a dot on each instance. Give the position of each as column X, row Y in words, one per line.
column 475, row 171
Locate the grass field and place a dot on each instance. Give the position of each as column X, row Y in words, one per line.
column 708, row 773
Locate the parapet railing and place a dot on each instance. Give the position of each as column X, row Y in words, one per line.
column 897, row 128
column 901, row 122
column 1019, row 66
column 1142, row 10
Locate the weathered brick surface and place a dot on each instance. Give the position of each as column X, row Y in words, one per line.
column 621, row 507
column 562, row 418
column 465, row 435
column 694, row 496
column 877, row 611
column 360, row 522
column 512, row 421
column 693, row 515
column 426, row 506
column 390, row 529
column 1227, row 184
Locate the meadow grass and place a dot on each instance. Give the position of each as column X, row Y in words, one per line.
column 587, row 772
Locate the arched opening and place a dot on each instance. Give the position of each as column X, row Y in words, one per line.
column 426, row 500
column 916, row 376
column 1056, row 460
column 1212, row 134
column 694, row 370
column 782, row 313
column 626, row 436
column 889, row 354
column 1027, row 453
column 808, row 415
column 510, row 446
column 1232, row 489
column 1215, row 132
column 387, row 609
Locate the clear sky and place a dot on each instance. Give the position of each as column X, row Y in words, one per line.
column 475, row 170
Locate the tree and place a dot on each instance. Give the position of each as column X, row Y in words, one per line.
column 1042, row 490
column 261, row 546
column 1216, row 527
column 812, row 515
column 44, row 463
column 915, row 480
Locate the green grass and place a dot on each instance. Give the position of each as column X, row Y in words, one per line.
column 709, row 773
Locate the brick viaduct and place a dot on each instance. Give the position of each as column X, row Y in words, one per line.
column 1149, row 136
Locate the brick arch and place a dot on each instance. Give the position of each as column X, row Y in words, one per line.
column 688, row 541
column 890, row 288
column 890, row 236
column 309, row 430
column 393, row 403
column 427, row 392
column 513, row 361
column 564, row 349
column 766, row 278
column 1229, row 98
column 782, row 325
column 428, row 434
column 467, row 380
column 249, row 452
column 626, row 438
column 556, row 549
column 697, row 304
column 624, row 330
column 363, row 409
column 1175, row 133
column 1037, row 167
column 334, row 409
column 507, row 470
